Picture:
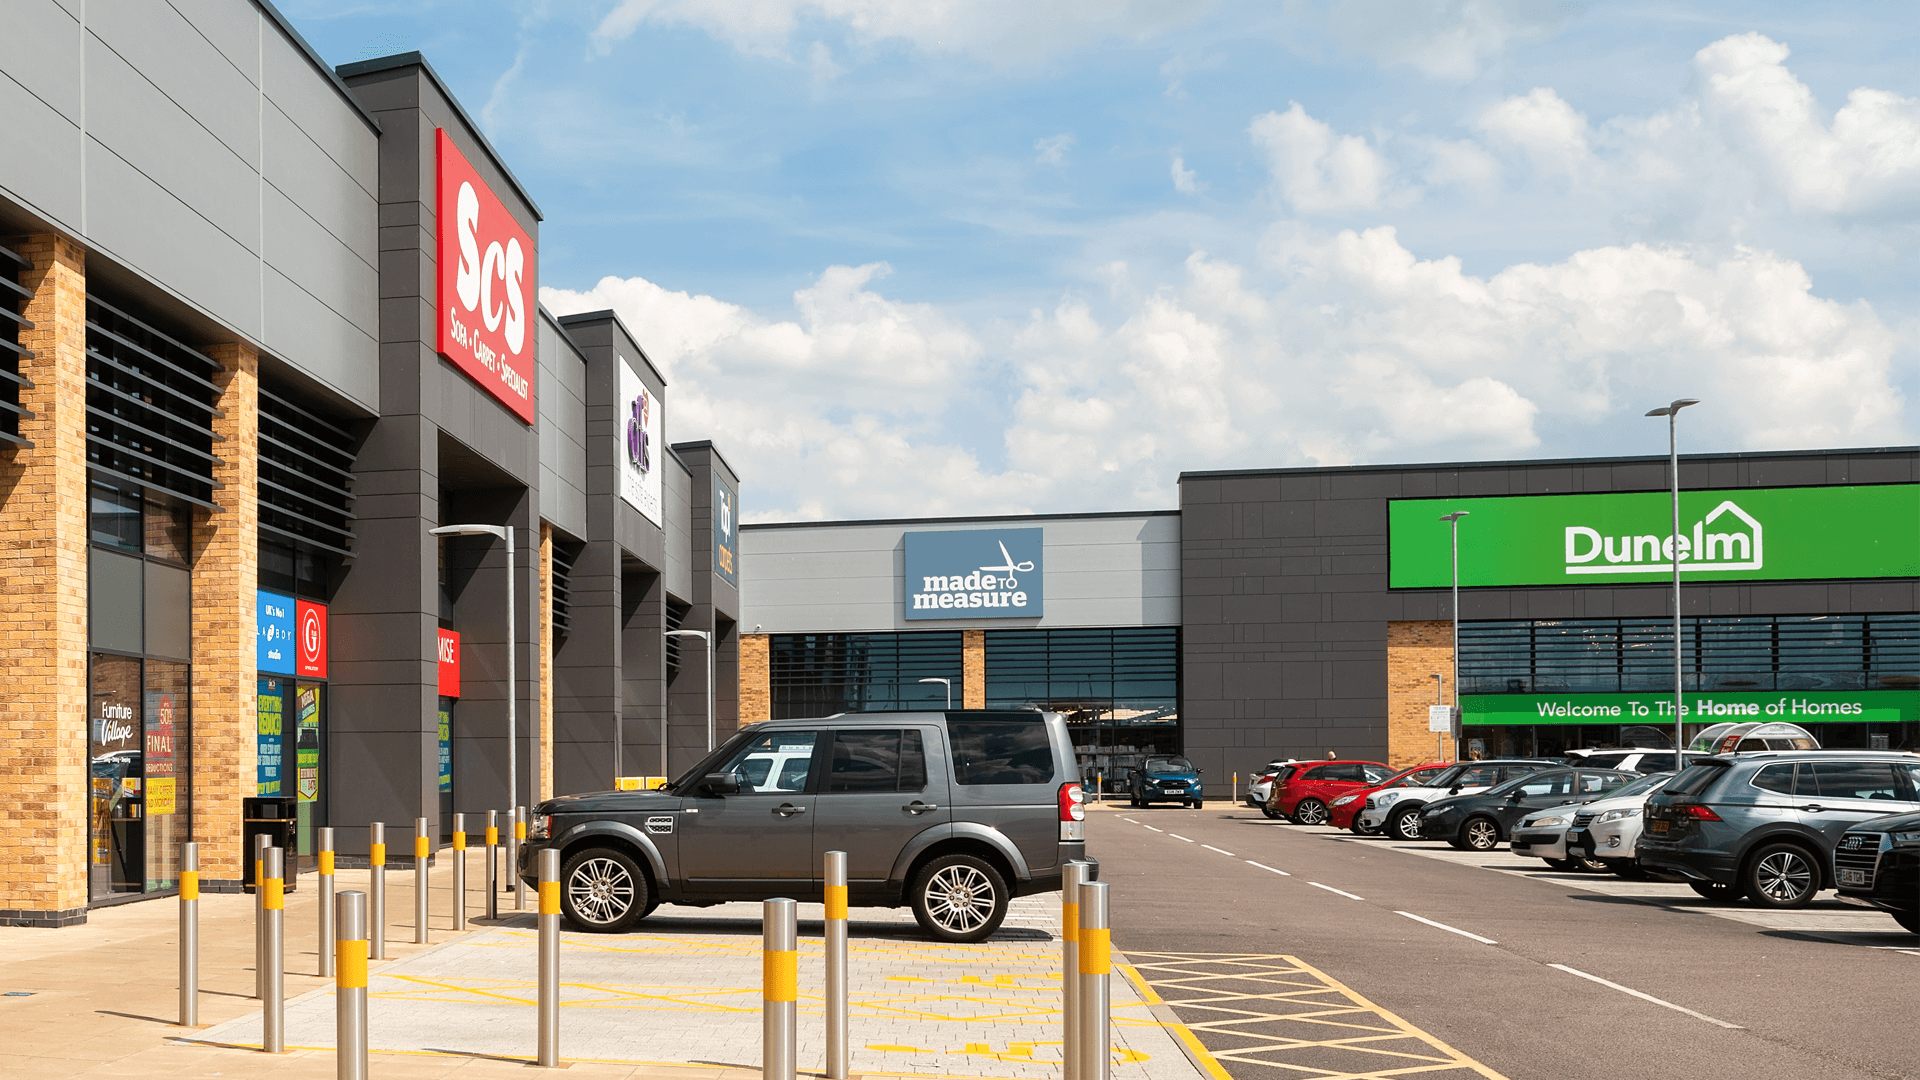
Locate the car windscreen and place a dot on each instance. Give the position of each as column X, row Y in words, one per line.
column 1646, row 785
column 1507, row 787
column 1169, row 764
column 1694, row 779
column 724, row 752
column 1000, row 751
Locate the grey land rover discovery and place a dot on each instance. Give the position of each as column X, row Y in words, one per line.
column 952, row 813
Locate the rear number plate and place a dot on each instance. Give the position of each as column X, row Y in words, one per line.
column 1853, row 877
column 1657, row 826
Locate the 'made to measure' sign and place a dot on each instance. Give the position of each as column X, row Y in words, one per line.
column 1747, row 534
column 975, row 574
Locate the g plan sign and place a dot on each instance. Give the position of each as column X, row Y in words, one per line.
column 640, row 442
column 975, row 574
column 1749, row 534
column 486, row 287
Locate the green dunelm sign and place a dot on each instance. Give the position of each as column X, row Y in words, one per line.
column 1745, row 534
column 1705, row 707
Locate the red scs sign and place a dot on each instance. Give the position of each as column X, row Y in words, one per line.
column 487, row 272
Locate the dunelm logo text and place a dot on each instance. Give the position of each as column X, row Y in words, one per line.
column 975, row 590
column 1738, row 548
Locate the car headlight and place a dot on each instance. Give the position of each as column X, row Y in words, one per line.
column 1906, row 838
column 1619, row 815
column 1385, row 797
column 1344, row 800
column 1543, row 823
column 540, row 827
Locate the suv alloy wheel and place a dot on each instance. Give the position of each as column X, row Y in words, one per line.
column 603, row 891
column 959, row 898
column 1781, row 876
column 1310, row 812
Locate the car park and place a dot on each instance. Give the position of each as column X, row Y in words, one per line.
column 1346, row 809
column 1304, row 795
column 1395, row 811
column 1607, row 829
column 1165, row 778
column 951, row 814
column 1765, row 824
column 1549, row 835
column 1480, row 822
column 1878, row 861
column 1262, row 785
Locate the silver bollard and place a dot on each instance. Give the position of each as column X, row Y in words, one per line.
column 189, row 935
column 513, row 858
column 459, row 872
column 420, row 853
column 325, row 840
column 836, row 935
column 350, row 987
column 493, row 861
column 376, row 891
column 1096, row 966
column 549, row 924
column 261, row 841
column 1073, row 874
column 780, row 989
column 273, row 1004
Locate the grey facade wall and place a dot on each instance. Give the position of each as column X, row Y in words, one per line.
column 204, row 153
column 561, row 397
column 1101, row 570
column 1285, row 604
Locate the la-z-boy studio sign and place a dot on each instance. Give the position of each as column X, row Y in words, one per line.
column 975, row 574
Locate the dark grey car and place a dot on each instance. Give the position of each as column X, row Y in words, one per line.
column 951, row 813
column 1764, row 824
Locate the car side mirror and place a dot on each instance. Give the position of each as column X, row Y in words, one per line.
column 1454, row 790
column 720, row 783
column 1516, row 796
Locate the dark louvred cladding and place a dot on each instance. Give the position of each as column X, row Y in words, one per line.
column 13, row 305
column 150, row 405
column 565, row 553
column 306, row 464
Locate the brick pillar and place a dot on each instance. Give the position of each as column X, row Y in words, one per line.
column 545, row 767
column 43, row 605
column 756, row 700
column 973, row 669
column 226, row 557
column 1415, row 650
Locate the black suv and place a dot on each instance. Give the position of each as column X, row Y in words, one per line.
column 1879, row 861
column 952, row 813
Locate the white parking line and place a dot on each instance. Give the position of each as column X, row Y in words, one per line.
column 1448, row 929
column 1229, row 854
column 1177, row 836
column 1151, row 827
column 1331, row 889
column 1270, row 869
column 1129, row 819
column 1646, row 997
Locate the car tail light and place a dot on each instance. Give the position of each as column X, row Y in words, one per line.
column 1267, row 779
column 1073, row 812
column 1697, row 812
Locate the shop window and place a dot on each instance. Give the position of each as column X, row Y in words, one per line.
column 113, row 515
column 822, row 674
column 1119, row 689
column 139, row 774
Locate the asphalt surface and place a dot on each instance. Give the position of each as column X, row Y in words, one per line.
column 1765, row 1000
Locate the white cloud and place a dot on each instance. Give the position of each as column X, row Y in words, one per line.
column 1542, row 126
column 1052, row 150
column 1445, row 38
column 1185, row 180
column 1316, row 169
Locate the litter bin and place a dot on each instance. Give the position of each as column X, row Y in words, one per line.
column 275, row 818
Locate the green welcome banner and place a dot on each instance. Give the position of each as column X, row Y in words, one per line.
column 1705, row 707
column 1746, row 534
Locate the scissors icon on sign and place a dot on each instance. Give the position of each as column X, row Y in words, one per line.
column 1011, row 567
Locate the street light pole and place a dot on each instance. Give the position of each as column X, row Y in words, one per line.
column 504, row 532
column 1460, row 718
column 707, row 637
column 1672, row 413
column 948, row 683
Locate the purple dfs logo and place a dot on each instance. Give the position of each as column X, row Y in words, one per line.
column 638, row 450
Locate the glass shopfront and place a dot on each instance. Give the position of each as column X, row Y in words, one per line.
column 1118, row 688
column 290, row 711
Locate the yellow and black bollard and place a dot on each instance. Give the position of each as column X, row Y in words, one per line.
column 261, row 841
column 549, row 927
column 1073, row 875
column 421, row 849
column 836, row 942
column 324, row 841
column 1096, row 967
column 513, row 858
column 459, row 872
column 493, row 864
column 780, row 989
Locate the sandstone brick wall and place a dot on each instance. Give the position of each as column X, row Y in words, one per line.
column 43, row 605
column 756, row 701
column 1415, row 650
column 225, row 563
column 973, row 669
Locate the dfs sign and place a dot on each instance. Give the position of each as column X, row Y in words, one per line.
column 487, row 278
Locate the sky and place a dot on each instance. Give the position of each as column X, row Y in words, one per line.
column 905, row 258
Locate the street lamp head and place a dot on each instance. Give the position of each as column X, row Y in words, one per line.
column 470, row 530
column 1669, row 410
column 701, row 634
column 1455, row 516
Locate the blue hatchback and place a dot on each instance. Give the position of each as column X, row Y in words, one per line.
column 1165, row 779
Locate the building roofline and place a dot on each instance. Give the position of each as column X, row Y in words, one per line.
column 416, row 59
column 610, row 314
column 707, row 444
column 961, row 520
column 1443, row 466
column 320, row 64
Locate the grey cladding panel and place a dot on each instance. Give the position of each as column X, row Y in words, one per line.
column 41, row 50
column 678, row 510
column 169, row 612
column 41, row 165
column 320, row 340
column 315, row 106
column 114, row 601
column 561, row 398
column 175, row 57
column 234, row 29
column 316, row 260
column 314, row 181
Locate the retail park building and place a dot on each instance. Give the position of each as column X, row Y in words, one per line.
column 265, row 323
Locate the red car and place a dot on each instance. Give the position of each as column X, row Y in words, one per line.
column 1305, row 795
column 1347, row 807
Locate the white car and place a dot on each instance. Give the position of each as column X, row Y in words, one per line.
column 1396, row 811
column 1607, row 829
column 1631, row 760
column 1262, row 784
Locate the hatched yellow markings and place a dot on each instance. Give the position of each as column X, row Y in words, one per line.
column 1309, row 1023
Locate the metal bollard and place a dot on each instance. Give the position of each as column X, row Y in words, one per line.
column 350, row 987
column 493, row 860
column 189, row 935
column 780, row 989
column 420, row 853
column 325, row 838
column 836, row 934
column 273, row 1004
column 261, row 841
column 459, row 872
column 376, row 891
column 513, row 858
column 549, row 924
column 1096, row 966
column 1073, row 874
